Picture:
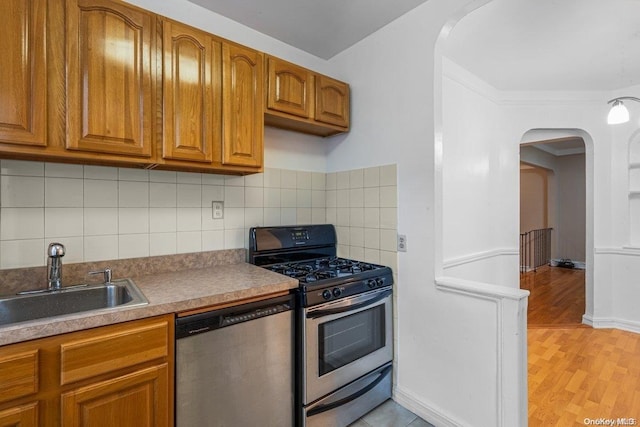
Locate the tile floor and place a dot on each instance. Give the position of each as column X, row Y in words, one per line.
column 390, row 414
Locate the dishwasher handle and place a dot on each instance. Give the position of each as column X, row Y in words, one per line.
column 204, row 322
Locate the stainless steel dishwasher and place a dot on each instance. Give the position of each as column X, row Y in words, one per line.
column 234, row 366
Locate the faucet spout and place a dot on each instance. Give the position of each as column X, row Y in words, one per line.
column 54, row 265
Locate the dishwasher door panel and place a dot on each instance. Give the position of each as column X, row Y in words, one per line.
column 240, row 375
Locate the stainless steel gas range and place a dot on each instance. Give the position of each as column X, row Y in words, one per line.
column 344, row 328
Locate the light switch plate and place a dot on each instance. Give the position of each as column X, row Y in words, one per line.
column 217, row 210
column 402, row 243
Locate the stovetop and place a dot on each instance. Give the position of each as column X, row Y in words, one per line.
column 327, row 279
column 308, row 253
column 313, row 271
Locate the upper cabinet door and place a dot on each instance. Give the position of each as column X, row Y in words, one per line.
column 332, row 101
column 192, row 94
column 289, row 88
column 23, row 74
column 243, row 106
column 111, row 60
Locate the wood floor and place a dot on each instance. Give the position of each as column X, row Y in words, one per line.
column 557, row 296
column 577, row 375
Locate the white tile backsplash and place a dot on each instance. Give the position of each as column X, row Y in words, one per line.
column 189, row 195
column 162, row 244
column 188, row 241
column 63, row 193
column 303, row 180
column 100, row 172
column 163, row 220
column 233, row 197
column 63, row 170
column 100, row 193
column 21, row 223
column 288, row 179
column 63, row 222
column 163, row 176
column 97, row 248
column 163, row 195
column 21, row 192
column 100, row 221
column 133, row 220
column 126, row 174
column 133, row 194
column 104, row 213
column 303, row 198
column 21, row 253
column 21, row 168
column 133, row 245
column 189, row 178
column 189, row 219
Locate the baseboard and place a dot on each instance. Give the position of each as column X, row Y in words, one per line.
column 611, row 323
column 423, row 410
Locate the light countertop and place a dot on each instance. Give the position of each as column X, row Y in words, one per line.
column 167, row 293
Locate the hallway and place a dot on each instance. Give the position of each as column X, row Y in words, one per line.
column 577, row 374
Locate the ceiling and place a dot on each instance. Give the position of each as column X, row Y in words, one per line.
column 511, row 44
column 561, row 147
column 322, row 28
column 551, row 44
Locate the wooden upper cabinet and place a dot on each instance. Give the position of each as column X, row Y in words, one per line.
column 192, row 94
column 289, row 88
column 302, row 100
column 110, row 53
column 243, row 106
column 332, row 101
column 23, row 74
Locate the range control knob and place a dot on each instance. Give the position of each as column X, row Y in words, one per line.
column 371, row 283
column 380, row 281
column 337, row 292
column 326, row 294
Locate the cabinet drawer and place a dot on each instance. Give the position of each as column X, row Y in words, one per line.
column 19, row 373
column 118, row 347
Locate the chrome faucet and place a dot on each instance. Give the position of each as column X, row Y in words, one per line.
column 54, row 265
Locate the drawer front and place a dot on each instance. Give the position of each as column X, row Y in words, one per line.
column 19, row 373
column 118, row 347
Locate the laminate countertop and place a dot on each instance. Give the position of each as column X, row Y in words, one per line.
column 167, row 293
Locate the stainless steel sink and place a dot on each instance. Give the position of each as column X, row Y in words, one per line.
column 76, row 299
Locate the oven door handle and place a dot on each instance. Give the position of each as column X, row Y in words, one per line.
column 328, row 312
column 329, row 406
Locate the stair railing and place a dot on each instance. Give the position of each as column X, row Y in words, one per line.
column 535, row 249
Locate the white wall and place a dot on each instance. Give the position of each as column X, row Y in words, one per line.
column 447, row 361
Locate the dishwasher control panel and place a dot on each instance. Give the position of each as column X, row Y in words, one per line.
column 256, row 314
column 204, row 322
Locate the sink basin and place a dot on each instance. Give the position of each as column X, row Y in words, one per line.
column 21, row 308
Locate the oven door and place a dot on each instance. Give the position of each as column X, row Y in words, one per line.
column 345, row 340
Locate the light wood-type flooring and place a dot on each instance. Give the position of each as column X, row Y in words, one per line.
column 577, row 375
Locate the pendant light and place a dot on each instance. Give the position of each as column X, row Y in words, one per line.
column 619, row 113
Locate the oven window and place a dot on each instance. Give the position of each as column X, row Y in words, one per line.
column 349, row 338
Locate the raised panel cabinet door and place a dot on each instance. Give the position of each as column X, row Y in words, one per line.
column 110, row 60
column 243, row 106
column 134, row 400
column 289, row 88
column 332, row 101
column 23, row 74
column 192, row 93
column 20, row 416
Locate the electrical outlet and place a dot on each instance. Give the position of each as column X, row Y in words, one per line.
column 217, row 210
column 402, row 243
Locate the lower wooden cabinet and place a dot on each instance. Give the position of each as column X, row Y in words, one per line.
column 116, row 375
column 138, row 399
